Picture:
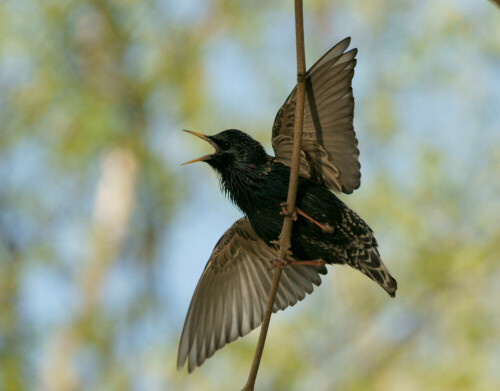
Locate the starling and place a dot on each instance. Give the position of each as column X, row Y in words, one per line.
column 230, row 297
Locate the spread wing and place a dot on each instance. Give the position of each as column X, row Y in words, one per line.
column 230, row 298
column 329, row 145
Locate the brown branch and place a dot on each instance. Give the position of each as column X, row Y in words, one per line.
column 286, row 231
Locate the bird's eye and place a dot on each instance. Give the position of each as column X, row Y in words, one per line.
column 224, row 145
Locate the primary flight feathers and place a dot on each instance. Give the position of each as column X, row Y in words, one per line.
column 329, row 145
column 231, row 295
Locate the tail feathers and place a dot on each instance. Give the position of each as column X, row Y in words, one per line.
column 370, row 264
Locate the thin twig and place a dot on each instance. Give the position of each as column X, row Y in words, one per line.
column 286, row 231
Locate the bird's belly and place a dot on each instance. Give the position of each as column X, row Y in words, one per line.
column 309, row 241
column 267, row 222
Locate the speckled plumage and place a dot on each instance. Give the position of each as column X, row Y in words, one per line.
column 258, row 183
column 230, row 297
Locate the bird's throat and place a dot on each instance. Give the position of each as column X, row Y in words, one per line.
column 243, row 184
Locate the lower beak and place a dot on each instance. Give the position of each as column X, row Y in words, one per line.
column 200, row 159
column 205, row 157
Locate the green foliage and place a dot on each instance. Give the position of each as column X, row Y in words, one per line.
column 92, row 94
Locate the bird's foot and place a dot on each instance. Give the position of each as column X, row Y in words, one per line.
column 284, row 211
column 276, row 245
column 277, row 263
column 324, row 227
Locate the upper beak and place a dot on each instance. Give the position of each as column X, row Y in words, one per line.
column 207, row 139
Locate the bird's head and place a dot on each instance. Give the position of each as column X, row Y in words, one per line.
column 234, row 150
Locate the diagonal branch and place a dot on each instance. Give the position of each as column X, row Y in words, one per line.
column 286, row 231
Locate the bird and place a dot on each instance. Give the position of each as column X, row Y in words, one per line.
column 230, row 297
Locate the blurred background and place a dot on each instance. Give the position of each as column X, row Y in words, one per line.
column 103, row 235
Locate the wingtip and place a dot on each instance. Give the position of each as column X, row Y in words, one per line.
column 348, row 41
column 180, row 363
column 192, row 364
column 344, row 44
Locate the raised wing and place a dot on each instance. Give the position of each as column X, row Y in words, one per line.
column 329, row 145
column 230, row 298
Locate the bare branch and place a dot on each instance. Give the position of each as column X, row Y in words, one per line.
column 286, row 231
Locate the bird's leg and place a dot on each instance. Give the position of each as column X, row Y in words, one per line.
column 284, row 211
column 276, row 244
column 312, row 262
column 279, row 263
column 325, row 228
column 286, row 262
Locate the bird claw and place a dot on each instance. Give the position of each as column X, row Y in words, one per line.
column 284, row 211
column 280, row 264
column 276, row 244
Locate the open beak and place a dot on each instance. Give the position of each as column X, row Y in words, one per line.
column 205, row 157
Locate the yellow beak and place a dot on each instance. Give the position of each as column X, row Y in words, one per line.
column 205, row 157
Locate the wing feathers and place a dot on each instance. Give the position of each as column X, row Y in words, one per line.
column 329, row 142
column 230, row 298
